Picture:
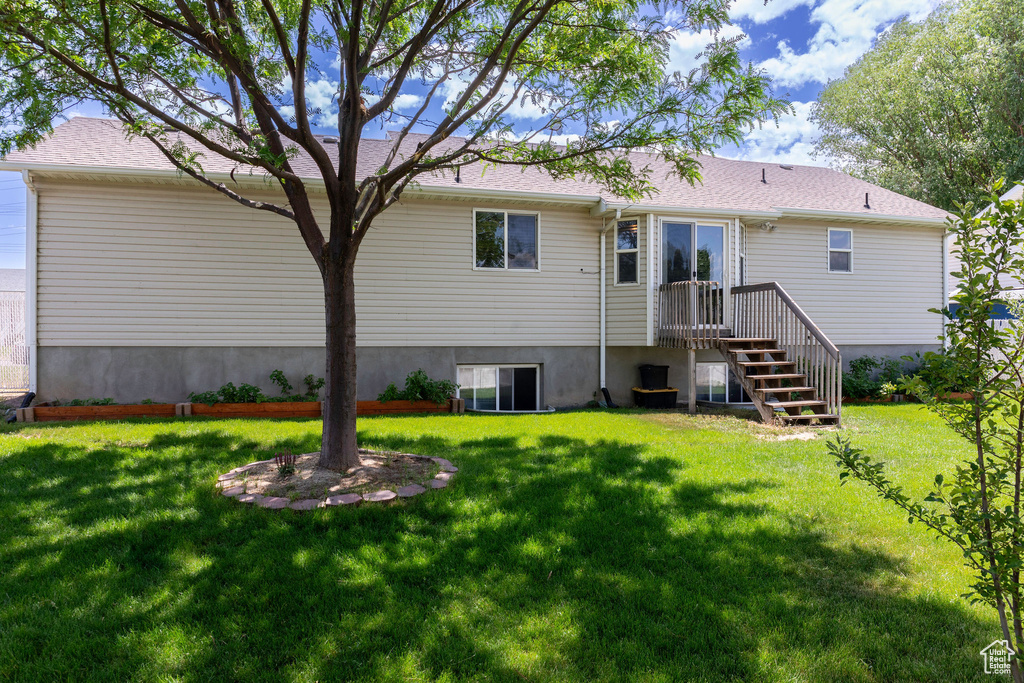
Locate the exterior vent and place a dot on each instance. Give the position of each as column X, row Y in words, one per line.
column 786, row 167
column 331, row 140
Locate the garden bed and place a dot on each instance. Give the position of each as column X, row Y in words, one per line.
column 279, row 409
column 44, row 413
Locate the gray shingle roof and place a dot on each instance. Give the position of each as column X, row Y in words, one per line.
column 98, row 144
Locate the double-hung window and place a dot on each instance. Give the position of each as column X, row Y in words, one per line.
column 840, row 250
column 627, row 253
column 507, row 240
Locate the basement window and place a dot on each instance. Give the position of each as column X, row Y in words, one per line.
column 840, row 250
column 716, row 383
column 505, row 240
column 500, row 388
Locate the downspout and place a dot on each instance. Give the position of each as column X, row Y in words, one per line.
column 945, row 282
column 604, row 314
column 31, row 227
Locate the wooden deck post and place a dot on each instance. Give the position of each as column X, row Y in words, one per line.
column 691, row 354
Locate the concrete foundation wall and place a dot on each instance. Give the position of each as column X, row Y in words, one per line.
column 569, row 375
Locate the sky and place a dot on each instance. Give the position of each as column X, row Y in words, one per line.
column 800, row 43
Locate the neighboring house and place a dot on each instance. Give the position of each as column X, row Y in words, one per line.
column 1016, row 192
column 529, row 291
column 12, row 279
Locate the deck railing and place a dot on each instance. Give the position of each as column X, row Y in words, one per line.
column 766, row 310
column 690, row 315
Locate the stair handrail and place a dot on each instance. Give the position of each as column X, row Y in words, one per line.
column 761, row 316
column 832, row 349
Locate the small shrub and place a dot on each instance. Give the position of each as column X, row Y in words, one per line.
column 278, row 378
column 285, row 462
column 85, row 402
column 419, row 387
column 868, row 375
column 938, row 372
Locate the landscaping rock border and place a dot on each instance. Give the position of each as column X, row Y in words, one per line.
column 232, row 488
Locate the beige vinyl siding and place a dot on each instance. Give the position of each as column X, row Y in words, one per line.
column 627, row 304
column 896, row 278
column 143, row 264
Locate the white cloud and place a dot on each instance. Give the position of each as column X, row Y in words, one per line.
column 524, row 109
column 763, row 11
column 847, row 29
column 791, row 141
column 407, row 101
column 686, row 47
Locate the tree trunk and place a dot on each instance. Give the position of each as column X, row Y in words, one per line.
column 338, row 450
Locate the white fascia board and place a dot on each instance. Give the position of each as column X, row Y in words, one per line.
column 638, row 209
column 854, row 216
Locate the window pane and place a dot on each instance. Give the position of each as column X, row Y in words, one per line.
column 840, row 239
column 675, row 253
column 490, row 239
column 526, row 389
column 710, row 253
column 522, row 242
column 627, row 235
column 627, row 267
column 484, row 383
column 711, row 382
column 839, row 261
column 466, row 387
column 505, row 389
column 736, row 393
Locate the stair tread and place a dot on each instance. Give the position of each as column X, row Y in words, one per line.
column 773, row 390
column 764, row 363
column 757, row 352
column 778, row 376
column 815, row 416
column 731, row 340
column 794, row 404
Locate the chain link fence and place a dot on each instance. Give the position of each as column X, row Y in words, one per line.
column 13, row 351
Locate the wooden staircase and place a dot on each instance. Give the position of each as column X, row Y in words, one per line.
column 781, row 393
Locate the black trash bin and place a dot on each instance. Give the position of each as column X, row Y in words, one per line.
column 653, row 377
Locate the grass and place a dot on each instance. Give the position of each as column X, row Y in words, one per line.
column 570, row 547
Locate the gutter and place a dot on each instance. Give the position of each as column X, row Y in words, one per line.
column 598, row 205
column 31, row 278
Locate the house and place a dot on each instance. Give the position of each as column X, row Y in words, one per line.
column 529, row 291
column 1007, row 284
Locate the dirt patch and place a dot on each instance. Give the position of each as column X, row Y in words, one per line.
column 795, row 436
column 378, row 470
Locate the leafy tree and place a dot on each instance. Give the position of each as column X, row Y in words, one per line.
column 936, row 109
column 978, row 508
column 230, row 78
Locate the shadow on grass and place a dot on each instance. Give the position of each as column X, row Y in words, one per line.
column 558, row 559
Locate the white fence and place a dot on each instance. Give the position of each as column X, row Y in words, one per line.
column 13, row 351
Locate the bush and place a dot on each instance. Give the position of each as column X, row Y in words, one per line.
column 419, row 387
column 938, row 372
column 868, row 374
column 247, row 393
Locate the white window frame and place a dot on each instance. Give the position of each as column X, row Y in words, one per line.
column 497, row 384
column 506, row 268
column 616, row 251
column 829, row 250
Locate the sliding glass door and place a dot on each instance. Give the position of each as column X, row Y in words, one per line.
column 681, row 241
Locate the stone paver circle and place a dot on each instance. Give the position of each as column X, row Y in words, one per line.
column 232, row 487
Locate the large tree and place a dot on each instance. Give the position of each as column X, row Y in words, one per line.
column 936, row 109
column 231, row 78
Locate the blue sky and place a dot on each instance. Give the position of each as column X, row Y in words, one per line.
column 801, row 43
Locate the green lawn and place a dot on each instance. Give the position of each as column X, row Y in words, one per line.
column 573, row 546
